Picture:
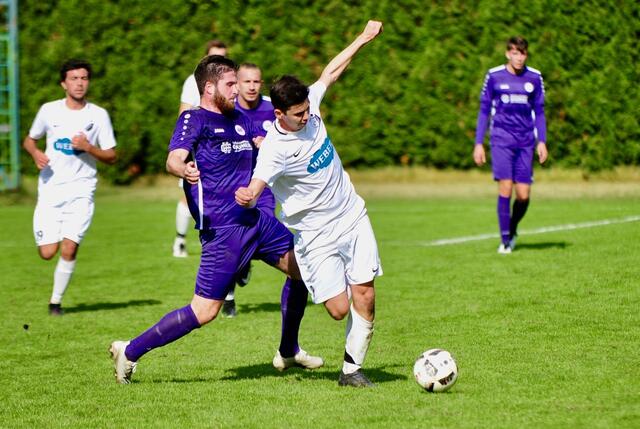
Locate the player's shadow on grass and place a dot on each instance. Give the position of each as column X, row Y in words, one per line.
column 543, row 246
column 111, row 305
column 251, row 372
column 259, row 308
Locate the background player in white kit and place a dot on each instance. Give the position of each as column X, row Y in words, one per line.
column 78, row 133
column 335, row 246
column 190, row 99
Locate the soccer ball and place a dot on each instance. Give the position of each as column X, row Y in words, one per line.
column 435, row 370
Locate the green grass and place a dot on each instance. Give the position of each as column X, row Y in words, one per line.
column 545, row 337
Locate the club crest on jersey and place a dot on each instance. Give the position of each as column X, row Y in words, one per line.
column 240, row 130
column 322, row 157
column 64, row 146
column 528, row 87
column 266, row 125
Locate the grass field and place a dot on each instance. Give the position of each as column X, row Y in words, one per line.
column 545, row 337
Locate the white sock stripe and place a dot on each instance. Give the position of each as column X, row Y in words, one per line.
column 542, row 230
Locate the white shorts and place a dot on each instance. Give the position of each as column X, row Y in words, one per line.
column 336, row 257
column 54, row 221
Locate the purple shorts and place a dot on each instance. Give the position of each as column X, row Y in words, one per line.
column 512, row 163
column 225, row 251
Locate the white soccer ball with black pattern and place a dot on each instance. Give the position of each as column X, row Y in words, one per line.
column 435, row 370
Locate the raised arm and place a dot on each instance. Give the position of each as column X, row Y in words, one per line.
column 339, row 63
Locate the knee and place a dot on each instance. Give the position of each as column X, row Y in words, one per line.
column 338, row 312
column 47, row 254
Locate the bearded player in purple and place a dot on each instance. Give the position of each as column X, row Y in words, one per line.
column 212, row 150
column 512, row 99
column 260, row 110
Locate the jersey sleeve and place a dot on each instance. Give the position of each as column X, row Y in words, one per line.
column 185, row 133
column 538, row 109
column 39, row 125
column 190, row 94
column 270, row 164
column 486, row 95
column 106, row 138
column 316, row 94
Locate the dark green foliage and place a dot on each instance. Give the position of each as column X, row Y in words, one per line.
column 411, row 97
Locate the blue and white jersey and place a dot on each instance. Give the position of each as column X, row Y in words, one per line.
column 305, row 173
column 222, row 148
column 515, row 106
column 70, row 172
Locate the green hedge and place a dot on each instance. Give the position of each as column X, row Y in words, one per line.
column 411, row 97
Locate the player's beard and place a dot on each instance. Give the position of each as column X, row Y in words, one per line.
column 223, row 104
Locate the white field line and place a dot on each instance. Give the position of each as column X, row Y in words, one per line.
column 542, row 230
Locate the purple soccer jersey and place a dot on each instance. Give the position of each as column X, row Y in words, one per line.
column 515, row 105
column 222, row 148
column 262, row 117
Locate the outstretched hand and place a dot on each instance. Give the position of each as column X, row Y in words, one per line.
column 372, row 30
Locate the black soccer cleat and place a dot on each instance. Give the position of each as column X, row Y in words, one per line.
column 55, row 310
column 355, row 379
column 229, row 309
column 243, row 277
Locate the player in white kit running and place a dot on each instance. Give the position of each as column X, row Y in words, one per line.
column 335, row 246
column 78, row 133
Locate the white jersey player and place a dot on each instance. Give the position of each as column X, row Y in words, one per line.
column 77, row 134
column 335, row 246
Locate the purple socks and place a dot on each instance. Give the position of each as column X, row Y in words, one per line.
column 504, row 217
column 292, row 304
column 519, row 209
column 171, row 327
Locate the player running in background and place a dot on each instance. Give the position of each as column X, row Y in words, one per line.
column 212, row 150
column 512, row 100
column 77, row 134
column 335, row 246
column 189, row 99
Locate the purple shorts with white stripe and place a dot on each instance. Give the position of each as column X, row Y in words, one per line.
column 225, row 251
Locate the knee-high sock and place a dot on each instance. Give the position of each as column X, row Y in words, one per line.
column 183, row 218
column 61, row 278
column 359, row 333
column 292, row 304
column 519, row 210
column 504, row 217
column 171, row 327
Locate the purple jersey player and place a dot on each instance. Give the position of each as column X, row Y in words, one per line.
column 512, row 99
column 212, row 150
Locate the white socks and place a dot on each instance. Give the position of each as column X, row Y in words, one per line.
column 183, row 218
column 359, row 333
column 61, row 278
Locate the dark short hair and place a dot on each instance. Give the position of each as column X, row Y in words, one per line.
column 74, row 64
column 215, row 43
column 288, row 91
column 519, row 43
column 211, row 68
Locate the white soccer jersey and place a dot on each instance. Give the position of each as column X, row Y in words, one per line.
column 190, row 94
column 70, row 173
column 305, row 173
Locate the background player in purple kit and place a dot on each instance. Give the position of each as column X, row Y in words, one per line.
column 212, row 149
column 512, row 99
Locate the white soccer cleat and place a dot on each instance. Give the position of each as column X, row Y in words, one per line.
column 123, row 367
column 301, row 359
column 179, row 248
column 504, row 249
